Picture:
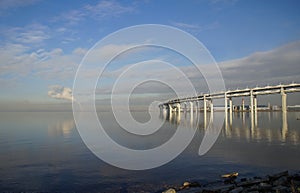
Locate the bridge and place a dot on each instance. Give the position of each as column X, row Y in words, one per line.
column 282, row 89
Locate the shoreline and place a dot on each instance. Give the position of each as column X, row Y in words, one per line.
column 282, row 182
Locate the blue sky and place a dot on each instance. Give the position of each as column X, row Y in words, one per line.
column 42, row 42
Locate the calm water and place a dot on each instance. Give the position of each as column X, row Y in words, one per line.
column 42, row 151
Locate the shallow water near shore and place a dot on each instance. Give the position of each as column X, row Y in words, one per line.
column 43, row 151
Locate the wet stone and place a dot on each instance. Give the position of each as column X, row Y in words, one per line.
column 281, row 181
column 281, row 189
column 236, row 190
column 209, row 191
column 278, row 175
column 265, row 186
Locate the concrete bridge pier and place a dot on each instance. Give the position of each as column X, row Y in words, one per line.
column 191, row 107
column 184, row 107
column 251, row 106
column 255, row 109
column 283, row 100
column 178, row 107
column 226, row 110
column 211, row 106
column 243, row 104
column 196, row 106
column 164, row 112
column 178, row 113
column 191, row 113
column 170, row 108
column 204, row 109
column 211, row 110
column 230, row 111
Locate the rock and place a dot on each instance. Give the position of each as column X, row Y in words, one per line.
column 231, row 175
column 186, row 184
column 278, row 175
column 209, row 191
column 252, row 182
column 171, row 190
column 189, row 185
column 281, row 189
column 265, row 186
column 296, row 182
column 222, row 188
column 230, row 181
column 236, row 190
column 281, row 181
column 195, row 184
column 253, row 188
column 192, row 190
column 243, row 179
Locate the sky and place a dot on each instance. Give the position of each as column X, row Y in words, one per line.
column 43, row 42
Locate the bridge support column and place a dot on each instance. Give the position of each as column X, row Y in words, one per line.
column 211, row 110
column 204, row 107
column 184, row 107
column 178, row 113
column 283, row 100
column 191, row 113
column 230, row 105
column 230, row 111
column 251, row 109
column 255, row 109
column 191, row 107
column 164, row 112
column 170, row 108
column 178, row 109
column 243, row 105
column 226, row 109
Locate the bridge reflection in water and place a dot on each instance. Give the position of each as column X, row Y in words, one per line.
column 269, row 126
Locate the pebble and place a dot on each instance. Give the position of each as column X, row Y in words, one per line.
column 171, row 190
column 186, row 184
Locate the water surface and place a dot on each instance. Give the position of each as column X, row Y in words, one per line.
column 43, row 151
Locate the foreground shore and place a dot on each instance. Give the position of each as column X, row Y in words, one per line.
column 282, row 182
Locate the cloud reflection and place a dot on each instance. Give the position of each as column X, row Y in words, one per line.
column 61, row 128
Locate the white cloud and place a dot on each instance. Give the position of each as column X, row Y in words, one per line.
column 107, row 9
column 102, row 9
column 72, row 17
column 261, row 68
column 269, row 67
column 31, row 34
column 80, row 51
column 196, row 28
column 60, row 92
column 18, row 62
